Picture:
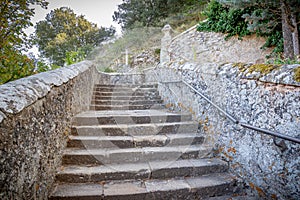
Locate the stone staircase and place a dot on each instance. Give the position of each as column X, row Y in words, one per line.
column 129, row 147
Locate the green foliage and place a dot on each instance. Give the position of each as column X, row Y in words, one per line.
column 270, row 17
column 157, row 51
column 275, row 40
column 75, row 56
column 243, row 21
column 135, row 40
column 63, row 31
column 135, row 13
column 15, row 16
column 187, row 17
column 109, row 70
column 42, row 67
column 281, row 61
column 14, row 65
column 225, row 20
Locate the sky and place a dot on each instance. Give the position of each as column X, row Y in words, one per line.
column 99, row 12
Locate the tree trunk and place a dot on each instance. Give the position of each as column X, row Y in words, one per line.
column 295, row 35
column 287, row 31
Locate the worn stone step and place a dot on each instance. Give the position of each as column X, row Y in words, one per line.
column 101, row 142
column 125, row 102
column 148, row 170
column 127, row 107
column 191, row 188
column 124, row 89
column 131, row 155
column 126, row 93
column 90, row 118
column 126, row 98
column 136, row 129
column 127, row 86
column 235, row 197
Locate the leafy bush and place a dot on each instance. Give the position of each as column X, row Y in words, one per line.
column 14, row 65
column 225, row 20
column 241, row 22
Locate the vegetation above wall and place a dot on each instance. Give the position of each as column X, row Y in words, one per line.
column 14, row 18
column 269, row 19
column 153, row 13
column 110, row 57
column 63, row 38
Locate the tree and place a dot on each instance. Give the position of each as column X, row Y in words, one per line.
column 63, row 31
column 15, row 16
column 287, row 12
column 148, row 12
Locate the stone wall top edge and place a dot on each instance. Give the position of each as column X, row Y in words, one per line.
column 16, row 95
column 283, row 75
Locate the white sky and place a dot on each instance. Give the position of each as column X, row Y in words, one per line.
column 96, row 11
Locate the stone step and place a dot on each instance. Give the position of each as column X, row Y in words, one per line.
column 90, row 118
column 126, row 102
column 190, row 188
column 74, row 156
column 124, row 89
column 127, row 107
column 93, row 142
column 136, row 129
column 138, row 171
column 124, row 93
column 125, row 98
column 127, row 86
column 235, row 197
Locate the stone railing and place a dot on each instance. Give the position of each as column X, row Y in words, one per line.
column 35, row 118
column 268, row 165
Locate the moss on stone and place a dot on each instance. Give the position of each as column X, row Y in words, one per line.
column 263, row 69
column 297, row 74
column 241, row 66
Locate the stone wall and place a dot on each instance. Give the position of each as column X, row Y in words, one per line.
column 121, row 78
column 270, row 166
column 210, row 47
column 35, row 117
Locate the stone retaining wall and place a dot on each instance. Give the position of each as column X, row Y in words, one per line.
column 121, row 78
column 210, row 47
column 35, row 117
column 270, row 166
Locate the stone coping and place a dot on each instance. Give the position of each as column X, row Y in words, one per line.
column 19, row 94
column 284, row 75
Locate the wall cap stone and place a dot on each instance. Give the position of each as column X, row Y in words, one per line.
column 16, row 95
column 282, row 75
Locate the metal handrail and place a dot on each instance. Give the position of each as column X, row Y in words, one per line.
column 236, row 121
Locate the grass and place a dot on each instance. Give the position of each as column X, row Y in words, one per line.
column 112, row 55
